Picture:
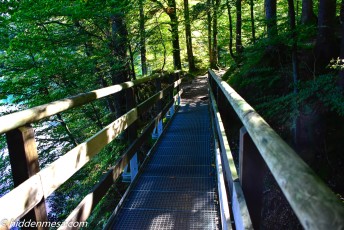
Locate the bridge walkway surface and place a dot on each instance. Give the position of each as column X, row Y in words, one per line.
column 177, row 187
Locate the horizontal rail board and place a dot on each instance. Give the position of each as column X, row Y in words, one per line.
column 18, row 119
column 315, row 205
column 90, row 201
column 54, row 175
column 20, row 201
column 63, row 168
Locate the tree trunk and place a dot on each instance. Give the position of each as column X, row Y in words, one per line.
column 214, row 62
column 308, row 16
column 132, row 64
column 188, row 37
column 162, row 43
column 271, row 18
column 209, row 7
column 172, row 13
column 109, row 100
column 341, row 72
column 238, row 45
column 142, row 39
column 253, row 29
column 119, row 70
column 230, row 30
column 292, row 22
column 326, row 44
column 69, row 133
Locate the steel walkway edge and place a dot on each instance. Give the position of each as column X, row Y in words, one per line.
column 177, row 188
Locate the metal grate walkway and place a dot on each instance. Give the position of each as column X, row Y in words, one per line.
column 177, row 188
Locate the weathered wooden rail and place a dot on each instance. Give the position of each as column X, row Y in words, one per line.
column 33, row 186
column 315, row 205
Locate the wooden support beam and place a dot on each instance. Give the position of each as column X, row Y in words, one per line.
column 158, row 104
column 252, row 169
column 130, row 104
column 23, row 155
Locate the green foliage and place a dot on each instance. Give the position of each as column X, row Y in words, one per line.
column 263, row 78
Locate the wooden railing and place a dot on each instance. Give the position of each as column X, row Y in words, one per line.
column 315, row 205
column 33, row 186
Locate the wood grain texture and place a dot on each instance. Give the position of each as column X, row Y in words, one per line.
column 20, row 201
column 315, row 205
column 23, row 155
column 63, row 168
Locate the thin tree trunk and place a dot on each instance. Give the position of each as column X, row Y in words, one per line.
column 253, row 28
column 69, row 133
column 209, row 19
column 292, row 22
column 109, row 101
column 238, row 43
column 162, row 43
column 98, row 121
column 230, row 30
column 214, row 62
column 188, row 37
column 172, row 13
column 341, row 72
column 132, row 64
column 143, row 39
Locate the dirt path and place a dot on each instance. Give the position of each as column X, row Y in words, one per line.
column 197, row 90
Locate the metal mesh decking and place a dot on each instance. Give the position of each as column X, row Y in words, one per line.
column 177, row 188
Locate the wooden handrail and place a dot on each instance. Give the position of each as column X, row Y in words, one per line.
column 42, row 184
column 315, row 205
column 18, row 119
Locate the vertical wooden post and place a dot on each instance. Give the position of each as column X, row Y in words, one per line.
column 171, row 80
column 158, row 105
column 132, row 132
column 252, row 169
column 130, row 104
column 178, row 89
column 23, row 155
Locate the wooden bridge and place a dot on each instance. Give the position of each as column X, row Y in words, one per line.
column 188, row 180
